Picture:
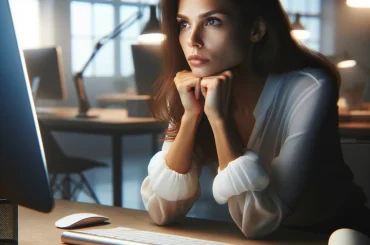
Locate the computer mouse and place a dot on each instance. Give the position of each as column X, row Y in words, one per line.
column 345, row 236
column 80, row 219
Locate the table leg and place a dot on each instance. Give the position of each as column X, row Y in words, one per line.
column 117, row 164
column 66, row 187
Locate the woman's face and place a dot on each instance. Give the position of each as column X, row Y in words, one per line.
column 210, row 35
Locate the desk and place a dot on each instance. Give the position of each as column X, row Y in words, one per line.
column 113, row 122
column 119, row 99
column 38, row 229
column 357, row 132
column 136, row 105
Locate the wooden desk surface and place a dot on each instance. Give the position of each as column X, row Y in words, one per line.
column 38, row 229
column 121, row 97
column 107, row 120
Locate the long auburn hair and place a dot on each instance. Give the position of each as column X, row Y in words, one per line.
column 277, row 52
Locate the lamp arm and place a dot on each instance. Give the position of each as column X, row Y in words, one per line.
column 83, row 102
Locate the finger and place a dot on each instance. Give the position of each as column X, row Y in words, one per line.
column 191, row 84
column 228, row 73
column 212, row 82
column 203, row 87
column 187, row 84
column 197, row 90
column 182, row 75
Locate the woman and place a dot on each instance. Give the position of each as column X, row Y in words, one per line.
column 241, row 94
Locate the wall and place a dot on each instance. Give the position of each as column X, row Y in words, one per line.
column 352, row 34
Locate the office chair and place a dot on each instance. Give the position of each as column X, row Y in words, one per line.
column 63, row 166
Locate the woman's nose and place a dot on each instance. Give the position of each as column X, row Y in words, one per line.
column 195, row 39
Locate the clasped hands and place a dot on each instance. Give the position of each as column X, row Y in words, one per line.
column 211, row 95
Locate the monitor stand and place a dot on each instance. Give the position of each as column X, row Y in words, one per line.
column 8, row 223
column 85, row 115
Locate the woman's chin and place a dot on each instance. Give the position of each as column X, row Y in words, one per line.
column 203, row 71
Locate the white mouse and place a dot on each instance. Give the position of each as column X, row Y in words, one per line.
column 80, row 219
column 346, row 236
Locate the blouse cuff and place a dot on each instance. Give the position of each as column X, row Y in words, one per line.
column 168, row 184
column 241, row 175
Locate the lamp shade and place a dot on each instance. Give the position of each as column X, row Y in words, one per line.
column 151, row 33
column 358, row 3
column 298, row 30
column 345, row 61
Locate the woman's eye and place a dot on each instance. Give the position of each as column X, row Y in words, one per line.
column 213, row 22
column 183, row 24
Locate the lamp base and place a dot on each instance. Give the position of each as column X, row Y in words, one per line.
column 85, row 115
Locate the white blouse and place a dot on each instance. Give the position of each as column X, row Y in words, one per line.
column 262, row 187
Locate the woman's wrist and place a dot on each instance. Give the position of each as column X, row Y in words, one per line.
column 228, row 142
column 189, row 117
column 217, row 122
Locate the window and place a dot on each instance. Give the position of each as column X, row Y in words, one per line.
column 311, row 18
column 93, row 19
column 26, row 17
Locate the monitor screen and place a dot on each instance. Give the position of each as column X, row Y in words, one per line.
column 148, row 64
column 23, row 173
column 45, row 72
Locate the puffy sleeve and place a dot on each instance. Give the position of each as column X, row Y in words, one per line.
column 168, row 195
column 258, row 198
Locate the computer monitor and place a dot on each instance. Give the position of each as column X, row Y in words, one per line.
column 148, row 65
column 23, row 174
column 45, row 72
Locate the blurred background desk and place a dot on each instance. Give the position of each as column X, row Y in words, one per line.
column 119, row 99
column 358, row 132
column 39, row 229
column 354, row 125
column 113, row 122
column 136, row 105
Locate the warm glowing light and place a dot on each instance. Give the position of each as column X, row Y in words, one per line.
column 342, row 103
column 358, row 3
column 152, row 38
column 301, row 34
column 26, row 22
column 346, row 64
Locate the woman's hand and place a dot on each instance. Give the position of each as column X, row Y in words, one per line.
column 188, row 86
column 216, row 91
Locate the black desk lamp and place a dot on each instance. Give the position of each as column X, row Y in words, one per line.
column 298, row 30
column 83, row 102
column 151, row 33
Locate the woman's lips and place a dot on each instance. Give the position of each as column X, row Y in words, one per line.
column 197, row 60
